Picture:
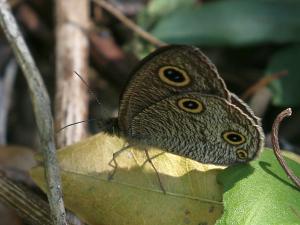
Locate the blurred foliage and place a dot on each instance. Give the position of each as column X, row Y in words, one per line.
column 286, row 90
column 158, row 9
column 233, row 22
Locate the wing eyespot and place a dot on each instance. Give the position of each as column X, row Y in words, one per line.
column 174, row 76
column 190, row 105
column 233, row 137
column 242, row 154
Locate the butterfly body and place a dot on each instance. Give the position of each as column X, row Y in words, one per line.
column 176, row 101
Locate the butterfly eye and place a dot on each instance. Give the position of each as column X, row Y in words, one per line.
column 174, row 76
column 190, row 105
column 233, row 138
column 242, row 154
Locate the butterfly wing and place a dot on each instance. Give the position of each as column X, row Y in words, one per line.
column 168, row 71
column 244, row 107
column 202, row 127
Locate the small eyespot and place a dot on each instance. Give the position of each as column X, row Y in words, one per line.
column 190, row 105
column 242, row 154
column 233, row 137
column 174, row 76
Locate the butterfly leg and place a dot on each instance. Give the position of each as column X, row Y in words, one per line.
column 159, row 180
column 153, row 157
column 113, row 162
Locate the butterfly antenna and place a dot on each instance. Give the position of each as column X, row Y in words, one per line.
column 93, row 94
column 84, row 121
column 90, row 91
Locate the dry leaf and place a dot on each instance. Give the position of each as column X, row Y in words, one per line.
column 134, row 196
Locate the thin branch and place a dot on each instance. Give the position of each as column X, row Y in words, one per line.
column 30, row 207
column 41, row 105
column 6, row 88
column 129, row 23
column 263, row 83
column 276, row 147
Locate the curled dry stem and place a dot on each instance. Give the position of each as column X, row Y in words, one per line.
column 276, row 147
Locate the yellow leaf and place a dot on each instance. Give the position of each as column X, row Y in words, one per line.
column 134, row 196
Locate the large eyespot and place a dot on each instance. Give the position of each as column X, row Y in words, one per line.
column 190, row 105
column 233, row 137
column 242, row 154
column 174, row 76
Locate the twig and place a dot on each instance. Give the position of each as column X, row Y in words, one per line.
column 276, row 147
column 41, row 105
column 129, row 23
column 263, row 83
column 31, row 208
column 6, row 87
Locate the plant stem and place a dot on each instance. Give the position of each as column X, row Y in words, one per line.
column 41, row 105
column 32, row 209
column 276, row 147
column 129, row 23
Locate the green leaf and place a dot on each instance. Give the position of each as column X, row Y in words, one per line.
column 134, row 196
column 286, row 89
column 260, row 193
column 147, row 19
column 155, row 9
column 232, row 22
